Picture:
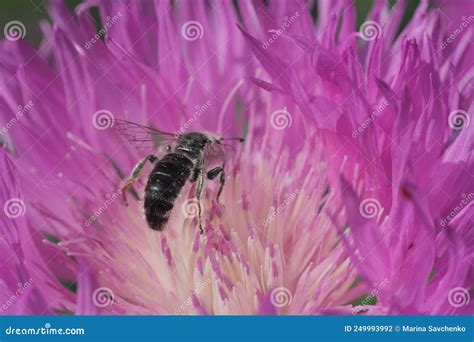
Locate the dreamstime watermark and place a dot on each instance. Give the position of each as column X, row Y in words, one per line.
column 370, row 208
column 375, row 113
column 466, row 199
column 458, row 297
column 198, row 111
column 371, row 297
column 281, row 119
column 102, row 297
column 288, row 21
column 108, row 23
column 188, row 301
column 192, row 30
column 20, row 111
column 14, row 207
column 190, row 208
column 281, row 297
column 466, row 21
column 103, row 119
column 22, row 287
column 458, row 119
column 275, row 211
column 14, row 30
column 110, row 199
column 369, row 30
column 46, row 330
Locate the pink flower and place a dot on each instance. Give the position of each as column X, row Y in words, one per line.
column 352, row 193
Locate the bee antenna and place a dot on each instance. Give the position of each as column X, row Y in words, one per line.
column 239, row 139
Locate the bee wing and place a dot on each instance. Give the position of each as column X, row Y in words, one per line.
column 218, row 153
column 143, row 137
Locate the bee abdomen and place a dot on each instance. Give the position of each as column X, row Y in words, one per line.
column 157, row 211
column 164, row 184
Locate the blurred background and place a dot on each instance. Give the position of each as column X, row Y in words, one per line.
column 32, row 12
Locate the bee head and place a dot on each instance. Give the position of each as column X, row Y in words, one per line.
column 195, row 139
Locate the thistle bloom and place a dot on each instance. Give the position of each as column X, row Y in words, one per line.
column 351, row 194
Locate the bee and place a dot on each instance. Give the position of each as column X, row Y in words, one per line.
column 187, row 158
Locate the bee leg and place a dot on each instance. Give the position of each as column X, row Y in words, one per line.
column 195, row 176
column 196, row 171
column 134, row 175
column 211, row 174
column 200, row 187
